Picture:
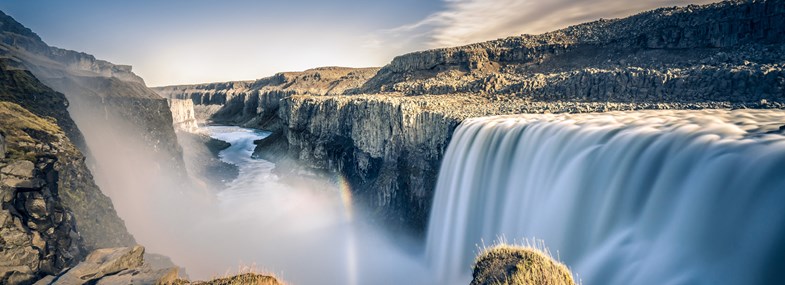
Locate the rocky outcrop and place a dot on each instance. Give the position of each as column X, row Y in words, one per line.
column 183, row 116
column 389, row 142
column 384, row 146
column 21, row 87
column 725, row 25
column 97, row 91
column 130, row 265
column 38, row 234
column 31, row 137
column 52, row 211
column 114, row 266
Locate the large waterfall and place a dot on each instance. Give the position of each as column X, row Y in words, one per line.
column 649, row 197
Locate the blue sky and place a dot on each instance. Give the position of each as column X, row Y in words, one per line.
column 178, row 42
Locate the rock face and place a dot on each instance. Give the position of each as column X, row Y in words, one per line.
column 389, row 142
column 97, row 91
column 38, row 233
column 51, row 209
column 183, row 115
column 43, row 141
column 254, row 103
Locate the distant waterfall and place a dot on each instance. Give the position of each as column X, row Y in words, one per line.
column 649, row 197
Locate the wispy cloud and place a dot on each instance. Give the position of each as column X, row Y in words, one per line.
column 468, row 21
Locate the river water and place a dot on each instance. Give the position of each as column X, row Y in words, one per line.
column 304, row 234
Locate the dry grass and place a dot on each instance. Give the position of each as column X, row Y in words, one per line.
column 20, row 126
column 246, row 275
column 246, row 278
column 519, row 265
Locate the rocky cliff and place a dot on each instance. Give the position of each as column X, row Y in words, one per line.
column 97, row 91
column 100, row 225
column 183, row 115
column 390, row 141
column 254, row 103
column 52, row 212
column 38, row 232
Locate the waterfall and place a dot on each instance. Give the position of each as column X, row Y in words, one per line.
column 647, row 197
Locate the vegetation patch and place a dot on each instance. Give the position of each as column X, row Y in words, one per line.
column 518, row 265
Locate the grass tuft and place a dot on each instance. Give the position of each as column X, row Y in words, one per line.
column 519, row 265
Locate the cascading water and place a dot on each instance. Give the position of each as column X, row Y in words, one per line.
column 648, row 197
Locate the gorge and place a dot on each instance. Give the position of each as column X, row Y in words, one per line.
column 641, row 150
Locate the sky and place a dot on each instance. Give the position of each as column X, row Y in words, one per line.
column 181, row 42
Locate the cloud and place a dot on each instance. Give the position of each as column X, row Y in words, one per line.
column 468, row 21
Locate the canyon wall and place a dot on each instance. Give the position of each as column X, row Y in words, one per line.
column 99, row 226
column 96, row 90
column 725, row 55
column 255, row 103
column 183, row 115
column 52, row 212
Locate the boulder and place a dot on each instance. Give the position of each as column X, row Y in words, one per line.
column 103, row 262
column 142, row 275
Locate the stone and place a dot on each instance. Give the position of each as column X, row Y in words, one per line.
column 2, row 145
column 144, row 275
column 19, row 168
column 45, row 281
column 103, row 262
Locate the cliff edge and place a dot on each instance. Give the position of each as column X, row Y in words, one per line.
column 388, row 135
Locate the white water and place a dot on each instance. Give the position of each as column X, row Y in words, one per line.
column 648, row 197
column 305, row 234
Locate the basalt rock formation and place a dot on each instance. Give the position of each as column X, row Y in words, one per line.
column 256, row 102
column 387, row 132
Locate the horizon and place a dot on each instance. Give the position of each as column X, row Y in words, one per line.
column 173, row 44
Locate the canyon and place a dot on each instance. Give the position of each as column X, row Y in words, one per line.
column 89, row 155
column 386, row 130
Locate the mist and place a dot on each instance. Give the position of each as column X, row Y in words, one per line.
column 303, row 230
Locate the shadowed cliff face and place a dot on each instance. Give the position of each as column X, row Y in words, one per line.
column 255, row 103
column 98, row 222
column 52, row 211
column 95, row 89
column 129, row 139
column 38, row 231
column 724, row 55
